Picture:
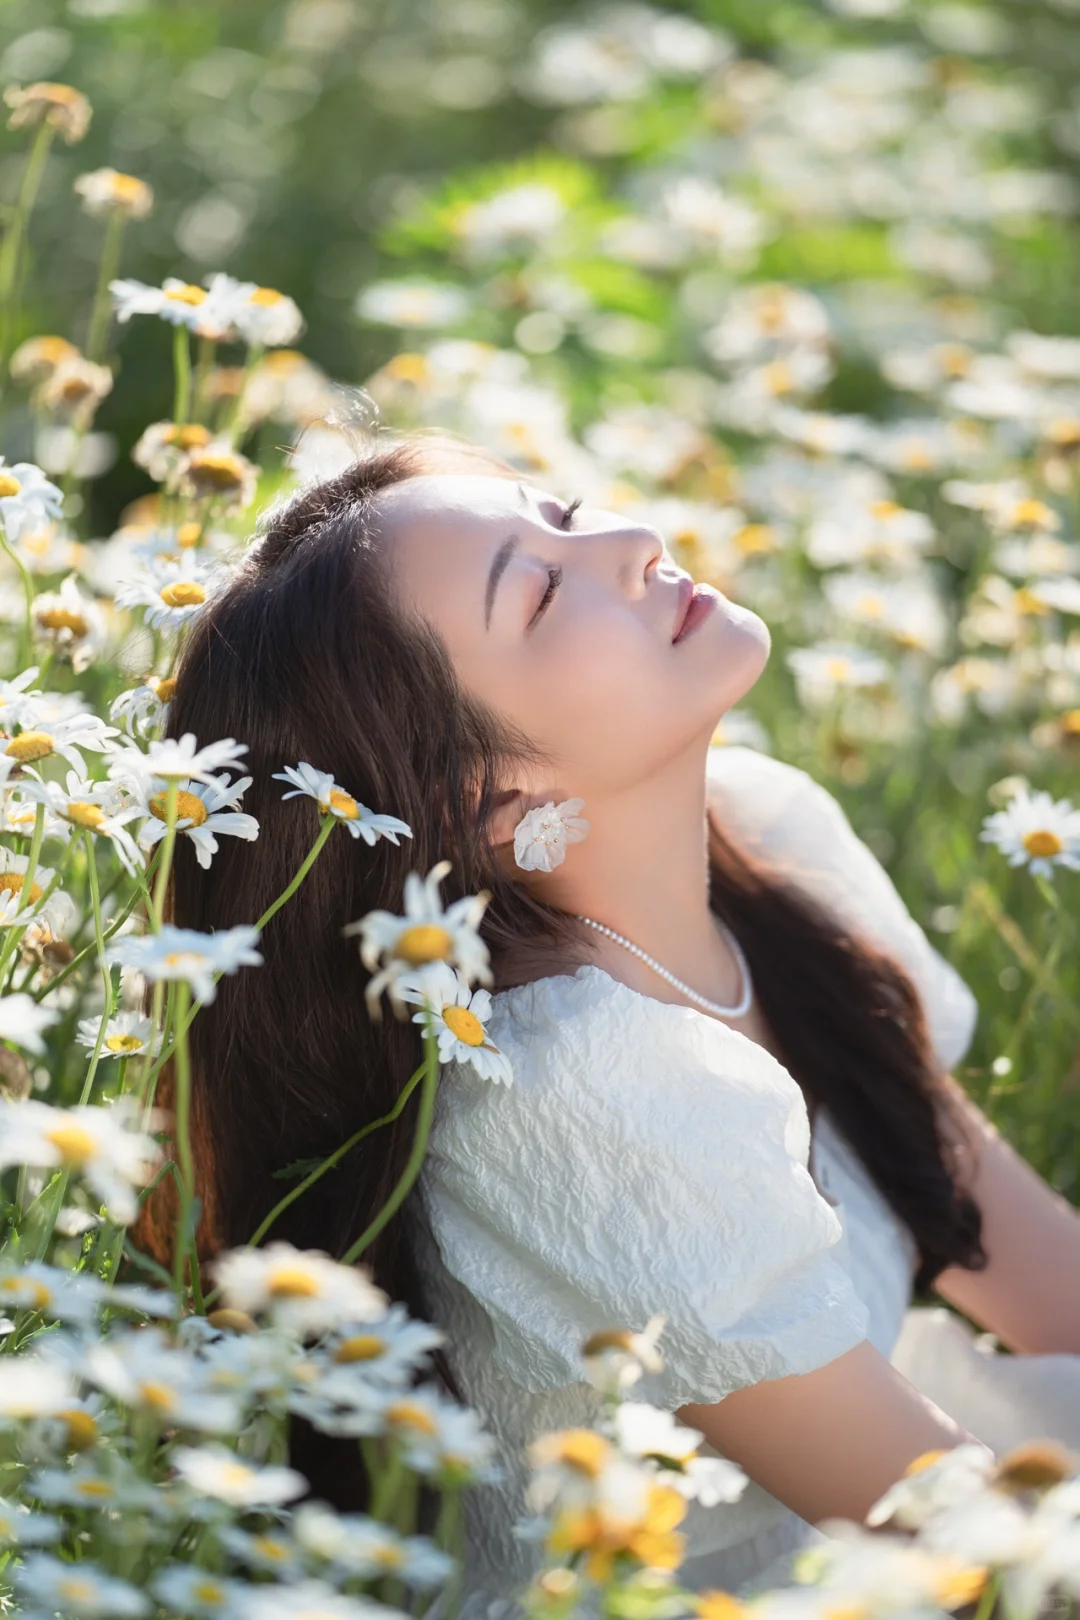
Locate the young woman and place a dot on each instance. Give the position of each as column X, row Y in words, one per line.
column 719, row 965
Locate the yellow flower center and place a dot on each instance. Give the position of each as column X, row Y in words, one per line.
column 192, row 961
column 1042, row 842
column 292, row 1283
column 360, row 1347
column 126, row 187
column 62, row 619
column 34, row 1295
column 838, row 669
column 84, row 814
column 208, row 1592
column 464, row 1025
column 407, row 367
column 13, row 882
column 216, row 474
column 1032, row 514
column 424, row 942
column 74, row 1144
column 81, row 1428
column 188, row 807
column 917, row 458
column 166, row 689
column 76, row 1590
column 755, row 539
column 1064, row 432
column 408, row 1416
column 266, row 297
column 9, row 485
column 99, row 1488
column 884, row 510
column 925, row 1459
column 29, row 746
column 158, row 1396
column 269, row 1548
column 235, row 1473
column 188, row 535
column 778, row 377
column 183, row 593
column 343, row 804
column 388, row 1556
column 187, row 295
column 1070, row 723
column 583, row 1450
column 1026, row 602
column 123, row 1043
column 236, row 1321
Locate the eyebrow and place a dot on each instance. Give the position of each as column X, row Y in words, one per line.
column 499, row 564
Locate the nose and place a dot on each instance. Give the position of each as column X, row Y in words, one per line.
column 639, row 552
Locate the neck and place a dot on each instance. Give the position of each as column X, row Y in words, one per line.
column 643, row 870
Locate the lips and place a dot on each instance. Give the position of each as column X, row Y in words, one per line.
column 682, row 606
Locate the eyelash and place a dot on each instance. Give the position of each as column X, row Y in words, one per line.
column 555, row 574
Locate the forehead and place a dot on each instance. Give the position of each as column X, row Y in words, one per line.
column 448, row 499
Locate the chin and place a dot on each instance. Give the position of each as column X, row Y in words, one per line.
column 739, row 646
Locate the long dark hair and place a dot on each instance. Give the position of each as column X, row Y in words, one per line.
column 304, row 657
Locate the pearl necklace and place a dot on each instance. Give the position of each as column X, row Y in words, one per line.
column 745, row 999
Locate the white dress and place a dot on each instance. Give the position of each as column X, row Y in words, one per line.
column 649, row 1158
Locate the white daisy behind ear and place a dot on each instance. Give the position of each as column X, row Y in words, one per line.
column 541, row 836
column 460, row 1016
column 334, row 801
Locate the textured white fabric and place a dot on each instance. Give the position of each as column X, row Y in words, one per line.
column 650, row 1158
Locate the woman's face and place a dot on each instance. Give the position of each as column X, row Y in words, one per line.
column 577, row 628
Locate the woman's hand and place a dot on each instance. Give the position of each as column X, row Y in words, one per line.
column 828, row 1443
column 1029, row 1293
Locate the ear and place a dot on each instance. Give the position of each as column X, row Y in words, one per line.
column 508, row 807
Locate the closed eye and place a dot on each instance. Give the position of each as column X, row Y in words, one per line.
column 566, row 521
column 554, row 581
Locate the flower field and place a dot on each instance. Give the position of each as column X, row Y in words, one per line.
column 795, row 285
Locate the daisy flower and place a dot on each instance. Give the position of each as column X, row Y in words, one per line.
column 266, row 1550
column 31, row 1386
column 142, row 708
column 649, row 1435
column 936, row 1481
column 427, row 933
column 18, row 700
column 106, row 192
column 19, row 1527
column 615, row 1358
column 436, row 1435
column 22, row 1020
column 214, row 1471
column 49, row 1584
column 100, row 807
column 74, row 390
column 62, row 107
column 334, row 801
column 104, row 1145
column 203, row 809
column 86, row 1486
column 459, row 1016
column 28, row 500
column 823, row 670
column 178, row 758
column 171, row 596
column 387, row 1351
column 39, row 357
column 142, row 1371
column 163, row 445
column 59, row 1294
column 63, row 736
column 1036, row 831
column 71, row 623
column 301, row 1290
column 316, row 1600
column 359, row 1546
column 542, row 834
column 266, row 317
column 127, row 1034
column 178, row 302
column 190, row 1590
column 186, row 955
column 217, row 472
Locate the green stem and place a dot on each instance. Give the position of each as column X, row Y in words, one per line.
column 182, row 369
column 106, row 973
column 204, row 364
column 309, row 861
column 26, row 635
column 118, row 923
column 235, row 421
column 387, row 1483
column 334, row 1158
column 11, row 250
column 988, row 1599
column 425, row 1114
column 182, row 1130
column 101, row 309
column 172, row 798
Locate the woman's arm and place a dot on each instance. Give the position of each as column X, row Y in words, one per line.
column 828, row 1443
column 1029, row 1293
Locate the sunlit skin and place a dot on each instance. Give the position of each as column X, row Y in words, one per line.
column 573, row 644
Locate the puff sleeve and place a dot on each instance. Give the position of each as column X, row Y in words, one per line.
column 647, row 1158
column 781, row 814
